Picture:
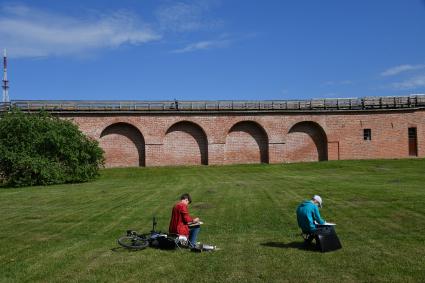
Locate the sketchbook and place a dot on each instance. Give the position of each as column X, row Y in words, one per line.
column 328, row 224
column 324, row 224
column 193, row 224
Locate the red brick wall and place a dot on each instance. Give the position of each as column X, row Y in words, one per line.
column 185, row 144
column 123, row 145
column 246, row 142
column 183, row 139
column 306, row 141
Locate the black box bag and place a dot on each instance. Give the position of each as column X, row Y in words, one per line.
column 327, row 240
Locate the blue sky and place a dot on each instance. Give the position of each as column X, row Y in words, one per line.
column 213, row 49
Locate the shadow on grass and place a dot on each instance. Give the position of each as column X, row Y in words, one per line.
column 291, row 245
column 122, row 250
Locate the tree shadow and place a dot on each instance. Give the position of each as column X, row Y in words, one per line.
column 291, row 245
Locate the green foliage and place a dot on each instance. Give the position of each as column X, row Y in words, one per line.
column 38, row 149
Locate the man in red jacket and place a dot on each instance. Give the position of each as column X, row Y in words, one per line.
column 180, row 219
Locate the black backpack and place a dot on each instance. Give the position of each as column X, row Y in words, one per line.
column 166, row 242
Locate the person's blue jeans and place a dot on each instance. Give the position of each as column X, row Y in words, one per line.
column 193, row 235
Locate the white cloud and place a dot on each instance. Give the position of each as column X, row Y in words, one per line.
column 29, row 32
column 204, row 45
column 222, row 41
column 400, row 69
column 412, row 83
column 186, row 17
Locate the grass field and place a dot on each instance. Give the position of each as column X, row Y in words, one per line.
column 68, row 232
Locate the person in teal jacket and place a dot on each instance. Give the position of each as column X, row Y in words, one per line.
column 308, row 213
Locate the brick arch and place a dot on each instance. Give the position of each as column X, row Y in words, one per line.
column 307, row 141
column 246, row 142
column 124, row 145
column 185, row 143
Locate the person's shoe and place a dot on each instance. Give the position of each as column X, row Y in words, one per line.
column 199, row 247
column 208, row 248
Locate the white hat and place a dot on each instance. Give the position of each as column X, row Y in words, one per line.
column 318, row 199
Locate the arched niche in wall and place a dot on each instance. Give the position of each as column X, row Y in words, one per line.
column 246, row 142
column 306, row 141
column 185, row 143
column 124, row 146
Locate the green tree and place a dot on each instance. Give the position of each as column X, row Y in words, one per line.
column 38, row 149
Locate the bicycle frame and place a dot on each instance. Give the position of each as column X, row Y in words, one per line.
column 134, row 240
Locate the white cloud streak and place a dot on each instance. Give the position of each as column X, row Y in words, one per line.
column 204, row 45
column 222, row 41
column 29, row 32
column 401, row 69
column 186, row 17
column 411, row 83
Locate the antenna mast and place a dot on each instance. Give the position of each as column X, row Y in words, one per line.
column 5, row 81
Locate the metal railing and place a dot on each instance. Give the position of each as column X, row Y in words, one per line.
column 365, row 103
column 4, row 106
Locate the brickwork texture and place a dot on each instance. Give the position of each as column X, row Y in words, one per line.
column 238, row 138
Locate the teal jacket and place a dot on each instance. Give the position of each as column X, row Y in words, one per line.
column 307, row 212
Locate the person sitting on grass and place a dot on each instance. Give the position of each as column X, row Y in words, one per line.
column 307, row 216
column 180, row 219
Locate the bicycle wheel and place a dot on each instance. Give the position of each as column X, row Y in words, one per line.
column 133, row 243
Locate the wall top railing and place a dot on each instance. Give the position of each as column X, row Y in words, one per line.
column 328, row 104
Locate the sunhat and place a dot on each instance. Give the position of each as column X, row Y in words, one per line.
column 318, row 199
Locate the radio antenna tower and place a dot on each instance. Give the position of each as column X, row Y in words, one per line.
column 5, row 81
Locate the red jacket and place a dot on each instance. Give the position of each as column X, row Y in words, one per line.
column 179, row 219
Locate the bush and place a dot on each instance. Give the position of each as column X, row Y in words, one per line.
column 38, row 149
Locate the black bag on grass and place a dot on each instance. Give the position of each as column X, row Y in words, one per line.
column 166, row 242
column 327, row 240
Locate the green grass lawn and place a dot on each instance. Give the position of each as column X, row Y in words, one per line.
column 68, row 232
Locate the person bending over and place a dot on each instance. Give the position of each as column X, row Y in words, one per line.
column 308, row 215
column 180, row 219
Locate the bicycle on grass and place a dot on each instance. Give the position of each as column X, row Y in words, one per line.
column 156, row 239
